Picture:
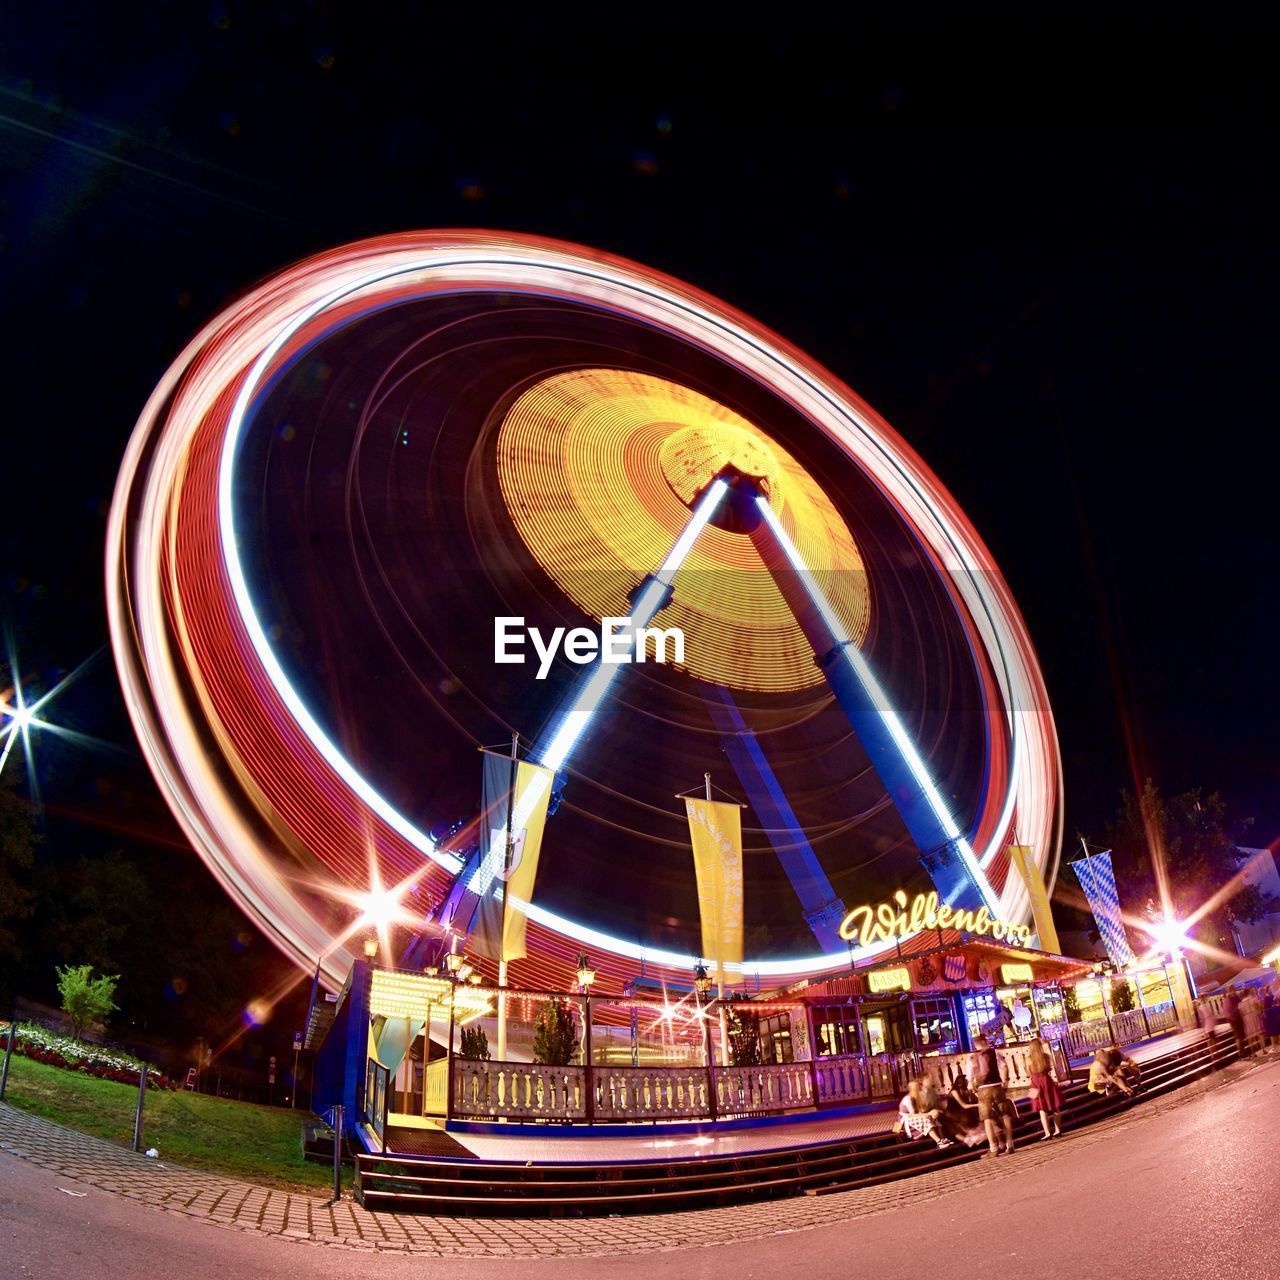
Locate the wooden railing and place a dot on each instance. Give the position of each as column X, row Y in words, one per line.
column 533, row 1091
column 758, row 1090
column 651, row 1093
column 435, row 1088
column 1120, row 1028
column 517, row 1090
column 854, row 1078
column 842, row 1079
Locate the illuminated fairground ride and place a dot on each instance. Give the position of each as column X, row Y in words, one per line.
column 352, row 472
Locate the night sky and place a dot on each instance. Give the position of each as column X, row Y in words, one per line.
column 1043, row 246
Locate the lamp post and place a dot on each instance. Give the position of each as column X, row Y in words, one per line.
column 431, row 971
column 701, row 985
column 453, row 962
column 586, row 976
column 1102, row 972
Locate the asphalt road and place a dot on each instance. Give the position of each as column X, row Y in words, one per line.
column 1187, row 1191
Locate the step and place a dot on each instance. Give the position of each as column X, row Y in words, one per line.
column 444, row 1185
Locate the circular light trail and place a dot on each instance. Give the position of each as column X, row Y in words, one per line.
column 600, row 468
column 285, row 820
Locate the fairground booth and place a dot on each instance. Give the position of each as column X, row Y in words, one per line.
column 609, row 709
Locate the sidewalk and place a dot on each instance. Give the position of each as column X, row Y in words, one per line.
column 89, row 1164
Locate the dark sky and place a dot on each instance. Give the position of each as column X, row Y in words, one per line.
column 1044, row 246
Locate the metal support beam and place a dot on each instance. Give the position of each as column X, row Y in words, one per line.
column 945, row 851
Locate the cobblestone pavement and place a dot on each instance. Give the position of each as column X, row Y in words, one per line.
column 296, row 1216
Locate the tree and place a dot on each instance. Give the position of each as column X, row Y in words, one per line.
column 475, row 1044
column 744, row 1037
column 1071, row 1004
column 1197, row 843
column 17, row 858
column 104, row 908
column 85, row 998
column 1121, row 995
column 554, row 1040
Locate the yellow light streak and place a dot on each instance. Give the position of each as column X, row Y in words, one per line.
column 599, row 469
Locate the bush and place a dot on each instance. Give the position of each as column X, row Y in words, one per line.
column 475, row 1044
column 744, row 1037
column 1071, row 1004
column 1122, row 996
column 86, row 999
column 54, row 1050
column 554, row 1039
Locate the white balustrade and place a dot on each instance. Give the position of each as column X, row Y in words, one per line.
column 650, row 1093
column 1129, row 1026
column 755, row 1090
column 435, row 1087
column 517, row 1090
column 842, row 1078
column 1162, row 1017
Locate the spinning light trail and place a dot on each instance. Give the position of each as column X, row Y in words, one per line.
column 251, row 764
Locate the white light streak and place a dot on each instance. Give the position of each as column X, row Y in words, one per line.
column 880, row 701
column 250, row 335
column 647, row 603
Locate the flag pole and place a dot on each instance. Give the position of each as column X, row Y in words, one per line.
column 506, row 876
column 724, row 1030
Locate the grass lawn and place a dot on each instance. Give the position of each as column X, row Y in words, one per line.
column 259, row 1144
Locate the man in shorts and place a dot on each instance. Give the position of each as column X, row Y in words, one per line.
column 994, row 1109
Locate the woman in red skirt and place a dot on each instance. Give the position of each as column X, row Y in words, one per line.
column 1046, row 1097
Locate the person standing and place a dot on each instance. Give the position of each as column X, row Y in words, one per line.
column 1235, row 1019
column 1046, row 1097
column 1209, row 1023
column 1251, row 1011
column 1271, row 1018
column 993, row 1103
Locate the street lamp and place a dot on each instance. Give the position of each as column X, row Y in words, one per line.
column 701, row 985
column 370, row 947
column 586, row 976
column 454, row 962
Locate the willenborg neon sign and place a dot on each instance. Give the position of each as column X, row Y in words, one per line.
column 896, row 919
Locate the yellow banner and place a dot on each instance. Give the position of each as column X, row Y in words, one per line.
column 532, row 792
column 1023, row 857
column 715, row 829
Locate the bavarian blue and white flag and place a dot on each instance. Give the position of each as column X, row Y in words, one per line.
column 1098, row 880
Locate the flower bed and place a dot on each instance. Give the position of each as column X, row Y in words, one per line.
column 46, row 1046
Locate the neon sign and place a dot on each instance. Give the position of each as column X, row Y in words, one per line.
column 902, row 916
column 889, row 980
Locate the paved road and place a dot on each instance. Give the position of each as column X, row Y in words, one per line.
column 1183, row 1187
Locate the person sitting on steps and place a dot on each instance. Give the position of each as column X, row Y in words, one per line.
column 915, row 1103
column 1104, row 1078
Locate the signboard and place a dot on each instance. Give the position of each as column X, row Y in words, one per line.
column 1012, row 973
column 889, row 979
column 903, row 916
column 297, row 1041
